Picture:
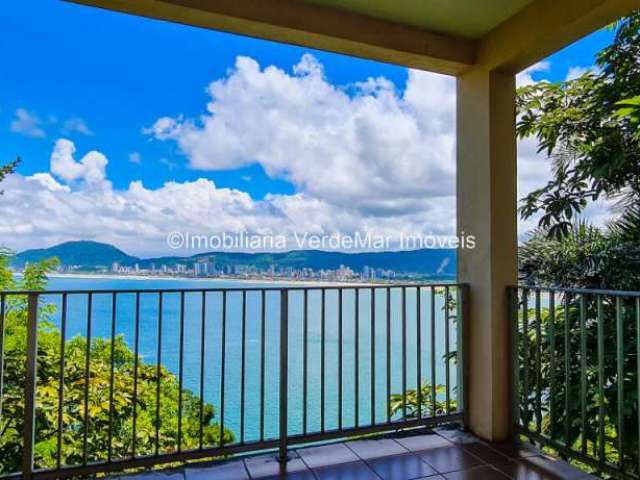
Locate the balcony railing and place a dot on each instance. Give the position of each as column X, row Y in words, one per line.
column 97, row 381
column 577, row 365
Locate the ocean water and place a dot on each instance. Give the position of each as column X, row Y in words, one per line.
column 368, row 370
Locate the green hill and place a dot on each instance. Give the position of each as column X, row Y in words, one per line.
column 85, row 254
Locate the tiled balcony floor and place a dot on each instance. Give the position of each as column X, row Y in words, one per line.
column 441, row 454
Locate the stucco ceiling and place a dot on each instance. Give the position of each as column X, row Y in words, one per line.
column 462, row 18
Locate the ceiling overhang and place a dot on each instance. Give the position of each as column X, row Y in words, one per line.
column 536, row 29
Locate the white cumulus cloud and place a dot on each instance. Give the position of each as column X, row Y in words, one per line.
column 138, row 218
column 90, row 168
column 525, row 77
column 367, row 146
column 367, row 157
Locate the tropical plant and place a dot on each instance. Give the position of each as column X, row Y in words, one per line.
column 107, row 417
column 591, row 258
column 409, row 403
column 550, row 371
column 589, row 127
column 586, row 257
column 8, row 169
column 630, row 108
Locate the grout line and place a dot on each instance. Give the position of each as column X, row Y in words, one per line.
column 402, row 446
column 416, row 455
column 359, row 460
column 444, row 437
column 244, row 464
column 355, row 453
column 301, row 457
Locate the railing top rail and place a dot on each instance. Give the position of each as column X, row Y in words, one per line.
column 589, row 291
column 302, row 288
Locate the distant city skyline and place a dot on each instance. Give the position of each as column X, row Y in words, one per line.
column 130, row 128
column 207, row 269
column 101, row 258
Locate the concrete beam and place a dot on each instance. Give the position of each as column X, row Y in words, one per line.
column 486, row 196
column 313, row 26
column 544, row 27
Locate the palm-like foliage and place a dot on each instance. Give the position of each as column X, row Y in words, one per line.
column 586, row 257
column 409, row 402
column 627, row 227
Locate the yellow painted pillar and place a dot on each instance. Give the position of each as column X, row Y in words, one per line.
column 486, row 184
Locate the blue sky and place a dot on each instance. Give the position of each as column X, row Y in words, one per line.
column 102, row 80
column 119, row 73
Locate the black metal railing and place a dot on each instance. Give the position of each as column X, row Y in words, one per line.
column 576, row 364
column 103, row 380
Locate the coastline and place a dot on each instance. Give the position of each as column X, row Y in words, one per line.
column 320, row 283
column 89, row 276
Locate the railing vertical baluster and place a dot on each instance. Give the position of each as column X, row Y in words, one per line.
column 87, row 375
column 340, row 299
column 180, row 370
column 538, row 329
column 552, row 358
column 63, row 331
column 388, row 355
column 447, row 349
column 305, row 360
column 222, row 362
column 323, row 322
column 284, row 375
column 158, row 371
column 525, row 357
column 203, row 331
column 434, row 405
column 620, row 379
column 567, row 366
column 136, row 354
column 515, row 342
column 373, row 356
column 404, row 353
column 583, row 373
column 601, row 433
column 114, row 303
column 462, row 335
column 529, row 393
column 31, row 373
column 602, row 443
column 263, row 317
column 419, row 352
column 357, row 356
column 243, row 362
